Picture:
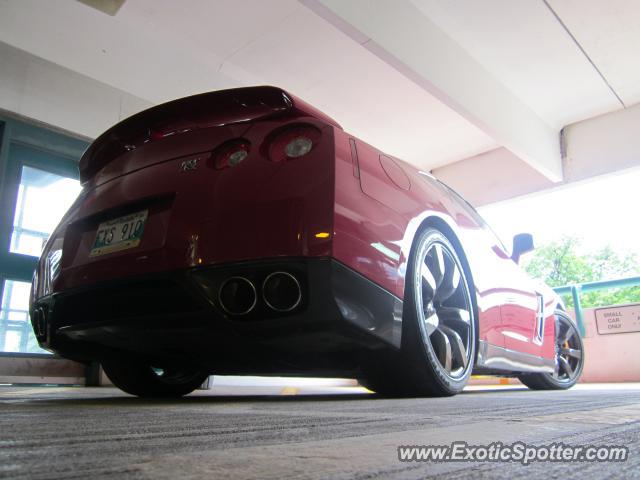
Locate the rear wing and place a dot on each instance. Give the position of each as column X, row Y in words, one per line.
column 205, row 110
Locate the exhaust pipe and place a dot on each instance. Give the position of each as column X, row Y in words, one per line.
column 281, row 291
column 237, row 296
column 39, row 321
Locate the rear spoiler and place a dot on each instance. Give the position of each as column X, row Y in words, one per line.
column 223, row 107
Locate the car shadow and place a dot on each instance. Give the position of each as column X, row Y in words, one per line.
column 205, row 398
column 198, row 399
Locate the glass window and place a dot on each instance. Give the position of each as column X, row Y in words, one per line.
column 43, row 198
column 16, row 334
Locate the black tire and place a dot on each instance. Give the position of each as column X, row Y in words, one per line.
column 438, row 328
column 569, row 358
column 380, row 370
column 145, row 381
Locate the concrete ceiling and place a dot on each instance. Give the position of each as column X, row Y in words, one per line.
column 522, row 43
column 609, row 32
column 162, row 49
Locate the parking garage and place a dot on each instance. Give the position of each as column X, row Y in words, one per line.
column 526, row 110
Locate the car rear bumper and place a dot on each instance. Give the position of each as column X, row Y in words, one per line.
column 179, row 316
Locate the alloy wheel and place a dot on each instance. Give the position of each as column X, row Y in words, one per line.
column 568, row 350
column 444, row 308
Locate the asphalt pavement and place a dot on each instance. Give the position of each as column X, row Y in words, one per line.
column 305, row 431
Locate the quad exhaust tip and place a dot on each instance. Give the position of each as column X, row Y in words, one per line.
column 39, row 321
column 237, row 296
column 281, row 292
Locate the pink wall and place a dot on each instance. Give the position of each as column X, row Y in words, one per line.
column 610, row 358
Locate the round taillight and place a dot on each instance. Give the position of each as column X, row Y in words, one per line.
column 231, row 154
column 298, row 147
column 294, row 142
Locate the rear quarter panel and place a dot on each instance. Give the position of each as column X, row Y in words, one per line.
column 376, row 220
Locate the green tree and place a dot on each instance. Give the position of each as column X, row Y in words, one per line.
column 560, row 263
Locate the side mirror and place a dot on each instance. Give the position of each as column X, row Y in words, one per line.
column 522, row 243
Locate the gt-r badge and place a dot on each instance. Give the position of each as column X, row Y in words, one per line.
column 189, row 165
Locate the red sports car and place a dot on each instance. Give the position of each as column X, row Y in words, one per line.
column 245, row 232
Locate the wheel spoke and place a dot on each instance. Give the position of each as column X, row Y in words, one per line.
column 429, row 283
column 436, row 264
column 432, row 322
column 572, row 352
column 450, row 280
column 442, row 347
column 568, row 334
column 566, row 366
column 458, row 350
column 454, row 317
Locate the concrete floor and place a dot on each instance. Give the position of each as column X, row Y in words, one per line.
column 303, row 432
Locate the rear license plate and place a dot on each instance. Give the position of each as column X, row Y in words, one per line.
column 119, row 234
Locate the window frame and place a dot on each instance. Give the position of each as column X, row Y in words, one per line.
column 24, row 143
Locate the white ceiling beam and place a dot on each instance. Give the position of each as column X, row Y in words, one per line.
column 510, row 177
column 401, row 35
column 603, row 145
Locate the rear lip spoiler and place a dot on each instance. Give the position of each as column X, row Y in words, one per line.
column 260, row 102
